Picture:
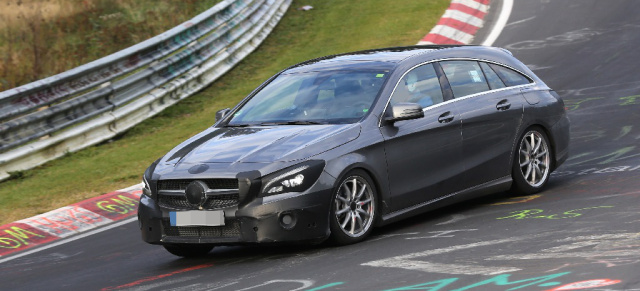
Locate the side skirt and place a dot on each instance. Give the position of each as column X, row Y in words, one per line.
column 498, row 185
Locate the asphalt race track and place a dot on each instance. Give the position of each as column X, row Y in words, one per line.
column 583, row 231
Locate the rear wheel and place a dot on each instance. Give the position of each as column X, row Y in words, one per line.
column 532, row 162
column 188, row 250
column 353, row 208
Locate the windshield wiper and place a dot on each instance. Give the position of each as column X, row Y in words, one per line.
column 294, row 122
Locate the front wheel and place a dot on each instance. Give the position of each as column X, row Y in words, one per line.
column 353, row 209
column 532, row 162
column 188, row 250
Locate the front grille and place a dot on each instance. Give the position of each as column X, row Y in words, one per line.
column 211, row 183
column 212, row 202
column 230, row 230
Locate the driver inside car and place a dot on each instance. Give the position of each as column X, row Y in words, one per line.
column 415, row 95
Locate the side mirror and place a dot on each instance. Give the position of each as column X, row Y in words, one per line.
column 222, row 113
column 404, row 111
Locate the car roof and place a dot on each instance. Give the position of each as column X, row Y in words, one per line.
column 374, row 59
column 389, row 59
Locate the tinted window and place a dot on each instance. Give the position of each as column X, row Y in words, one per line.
column 465, row 77
column 420, row 85
column 509, row 76
column 323, row 97
column 492, row 77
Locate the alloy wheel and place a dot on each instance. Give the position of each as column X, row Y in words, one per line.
column 534, row 158
column 354, row 206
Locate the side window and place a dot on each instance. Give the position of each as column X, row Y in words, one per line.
column 419, row 85
column 492, row 77
column 465, row 77
column 509, row 76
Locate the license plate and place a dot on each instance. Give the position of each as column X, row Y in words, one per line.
column 197, row 218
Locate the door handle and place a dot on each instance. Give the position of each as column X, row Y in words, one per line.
column 445, row 117
column 503, row 105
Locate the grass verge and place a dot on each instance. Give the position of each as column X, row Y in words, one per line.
column 333, row 26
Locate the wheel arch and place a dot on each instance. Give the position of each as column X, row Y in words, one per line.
column 365, row 172
column 376, row 179
column 365, row 169
column 547, row 132
column 552, row 145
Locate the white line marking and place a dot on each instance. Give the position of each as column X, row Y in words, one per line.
column 611, row 196
column 379, row 237
column 168, row 282
column 441, row 233
column 630, row 235
column 305, row 284
column 620, row 245
column 67, row 240
column 456, row 269
column 459, row 247
column 507, row 6
column 212, row 287
column 545, row 256
column 220, row 287
column 602, row 245
column 408, row 261
column 521, row 21
column 454, row 218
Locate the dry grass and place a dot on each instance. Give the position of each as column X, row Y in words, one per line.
column 14, row 13
column 41, row 38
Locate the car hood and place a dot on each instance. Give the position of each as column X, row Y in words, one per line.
column 261, row 144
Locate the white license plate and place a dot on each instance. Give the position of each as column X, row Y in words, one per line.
column 197, row 218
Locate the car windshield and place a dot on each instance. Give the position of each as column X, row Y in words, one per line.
column 326, row 97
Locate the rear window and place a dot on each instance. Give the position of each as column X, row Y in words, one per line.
column 509, row 76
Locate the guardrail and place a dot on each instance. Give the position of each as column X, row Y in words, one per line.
column 92, row 103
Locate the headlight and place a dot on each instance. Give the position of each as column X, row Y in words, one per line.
column 147, row 189
column 146, row 176
column 296, row 178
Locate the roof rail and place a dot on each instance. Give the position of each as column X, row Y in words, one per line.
column 396, row 48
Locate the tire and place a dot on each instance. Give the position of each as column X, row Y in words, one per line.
column 532, row 162
column 188, row 250
column 352, row 216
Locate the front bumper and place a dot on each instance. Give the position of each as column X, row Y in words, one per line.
column 259, row 221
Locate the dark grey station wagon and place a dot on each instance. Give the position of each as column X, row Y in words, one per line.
column 331, row 147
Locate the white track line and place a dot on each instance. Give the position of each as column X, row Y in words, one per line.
column 67, row 240
column 507, row 6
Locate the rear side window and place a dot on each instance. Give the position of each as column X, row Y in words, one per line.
column 509, row 76
column 465, row 77
column 494, row 81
